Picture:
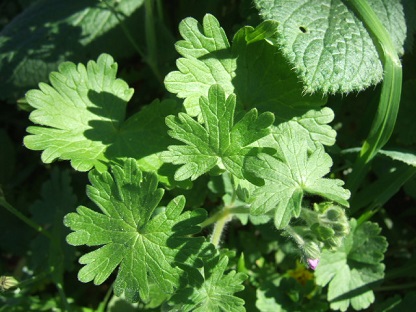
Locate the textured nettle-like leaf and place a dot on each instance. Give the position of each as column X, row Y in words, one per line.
column 327, row 43
column 219, row 141
column 289, row 176
column 251, row 68
column 214, row 292
column 352, row 271
column 265, row 80
column 263, row 77
column 81, row 118
column 144, row 243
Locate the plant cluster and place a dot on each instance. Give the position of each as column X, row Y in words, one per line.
column 254, row 172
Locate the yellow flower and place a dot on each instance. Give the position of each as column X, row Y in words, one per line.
column 301, row 274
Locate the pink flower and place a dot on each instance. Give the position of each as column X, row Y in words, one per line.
column 313, row 263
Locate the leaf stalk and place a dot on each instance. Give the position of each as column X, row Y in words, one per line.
column 221, row 218
column 22, row 217
column 151, row 57
column 225, row 212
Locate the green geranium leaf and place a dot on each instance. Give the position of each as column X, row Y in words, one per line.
column 312, row 126
column 354, row 268
column 288, row 177
column 266, row 81
column 207, row 61
column 79, row 100
column 327, row 43
column 143, row 242
column 219, row 141
column 252, row 68
column 82, row 119
column 215, row 292
column 284, row 293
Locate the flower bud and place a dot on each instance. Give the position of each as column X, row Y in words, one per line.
column 311, row 250
column 313, row 263
column 7, row 282
column 322, row 232
column 341, row 229
column 334, row 213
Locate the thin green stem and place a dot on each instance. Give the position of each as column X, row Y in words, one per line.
column 224, row 213
column 125, row 30
column 309, row 216
column 367, row 215
column 385, row 118
column 151, row 41
column 65, row 304
column 148, row 59
column 103, row 304
column 298, row 239
column 31, row 280
column 221, row 218
column 22, row 217
column 218, row 229
column 159, row 8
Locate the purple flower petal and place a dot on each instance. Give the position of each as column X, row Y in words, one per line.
column 313, row 263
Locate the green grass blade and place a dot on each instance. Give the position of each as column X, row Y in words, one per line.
column 385, row 118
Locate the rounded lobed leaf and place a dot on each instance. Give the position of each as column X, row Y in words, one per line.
column 328, row 45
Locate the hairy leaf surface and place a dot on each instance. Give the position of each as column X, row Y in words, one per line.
column 327, row 43
column 81, row 118
column 145, row 241
column 207, row 61
column 352, row 270
column 252, row 68
column 219, row 141
column 216, row 292
column 295, row 171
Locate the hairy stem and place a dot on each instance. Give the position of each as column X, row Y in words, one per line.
column 225, row 212
column 218, row 229
column 297, row 238
column 221, row 218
